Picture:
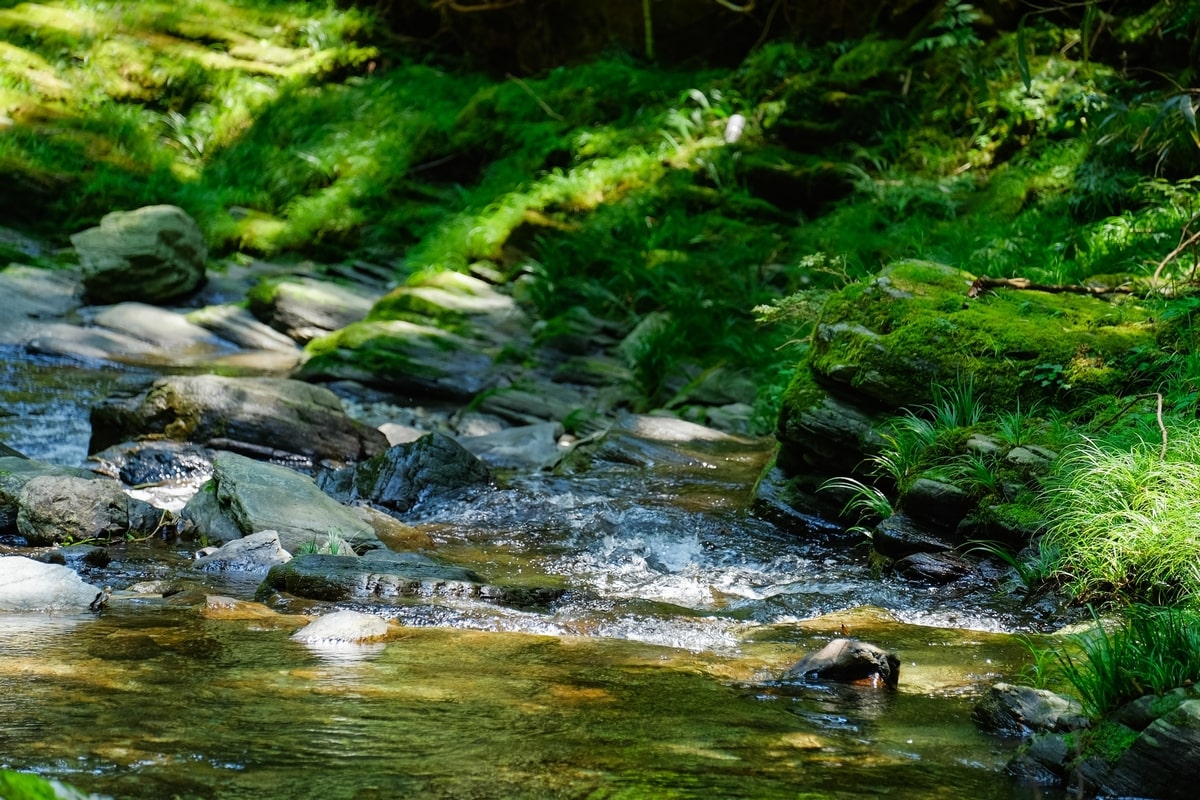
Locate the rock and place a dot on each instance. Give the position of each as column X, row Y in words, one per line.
column 1164, row 760
column 343, row 627
column 1008, row 523
column 392, row 532
column 154, row 461
column 257, row 552
column 247, row 496
column 270, row 418
column 937, row 568
column 96, row 344
column 381, row 577
column 28, row 585
column 54, row 508
column 238, row 325
column 304, row 308
column 1031, row 456
column 32, row 297
column 165, row 330
column 848, row 661
column 525, row 447
column 823, row 432
column 1042, row 761
column 15, row 472
column 528, row 402
column 461, row 303
column 899, row 535
column 937, row 503
column 153, row 254
column 406, row 474
column 403, row 357
column 1009, row 710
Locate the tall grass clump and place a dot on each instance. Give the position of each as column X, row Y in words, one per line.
column 1151, row 651
column 1125, row 519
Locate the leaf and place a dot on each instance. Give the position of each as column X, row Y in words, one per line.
column 1022, row 58
column 1189, row 116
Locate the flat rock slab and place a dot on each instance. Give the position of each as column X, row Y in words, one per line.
column 166, row 330
column 32, row 297
column 257, row 552
column 275, row 418
column 304, row 308
column 380, row 577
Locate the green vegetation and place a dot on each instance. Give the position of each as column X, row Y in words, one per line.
column 1149, row 650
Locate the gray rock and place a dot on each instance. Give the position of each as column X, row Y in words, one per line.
column 246, row 496
column 257, row 552
column 238, row 325
column 383, row 577
column 153, row 254
column 1031, row 456
column 524, row 447
column 56, row 508
column 403, row 357
column 28, row 585
column 32, row 297
column 1010, row 710
column 529, row 402
column 96, row 344
column 899, row 535
column 458, row 302
column 304, row 308
column 404, row 475
column 937, row 503
column 937, row 568
column 154, row 461
column 829, row 435
column 166, row 330
column 15, row 472
column 1164, row 761
column 343, row 627
column 848, row 661
column 271, row 418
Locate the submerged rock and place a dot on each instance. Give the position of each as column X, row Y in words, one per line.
column 153, row 254
column 406, row 474
column 28, row 585
column 1010, row 710
column 848, row 661
column 270, row 418
column 343, row 627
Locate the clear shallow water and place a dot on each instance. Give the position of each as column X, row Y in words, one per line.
column 652, row 677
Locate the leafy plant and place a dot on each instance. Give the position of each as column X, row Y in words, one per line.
column 868, row 503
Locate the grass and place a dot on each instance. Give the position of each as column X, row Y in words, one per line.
column 1125, row 518
column 1151, row 650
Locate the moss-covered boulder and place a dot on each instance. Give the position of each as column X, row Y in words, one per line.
column 883, row 344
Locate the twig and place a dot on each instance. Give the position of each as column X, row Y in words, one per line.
column 746, row 9
column 983, row 282
column 550, row 112
column 1184, row 243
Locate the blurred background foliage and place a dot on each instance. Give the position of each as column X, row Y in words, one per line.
column 686, row 161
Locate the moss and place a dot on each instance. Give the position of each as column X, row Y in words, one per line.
column 1108, row 740
column 914, row 326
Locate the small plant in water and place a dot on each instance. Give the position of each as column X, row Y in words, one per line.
column 866, row 502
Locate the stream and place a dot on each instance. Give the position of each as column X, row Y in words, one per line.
column 654, row 676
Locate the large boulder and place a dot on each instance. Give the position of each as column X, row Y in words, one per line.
column 154, row 254
column 848, row 661
column 883, row 344
column 15, row 472
column 57, row 508
column 28, row 585
column 246, row 496
column 1164, row 760
column 270, row 418
column 406, row 474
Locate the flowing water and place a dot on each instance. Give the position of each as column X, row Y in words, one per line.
column 654, row 676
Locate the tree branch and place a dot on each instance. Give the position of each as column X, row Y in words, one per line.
column 983, row 283
column 746, row 9
column 462, row 8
